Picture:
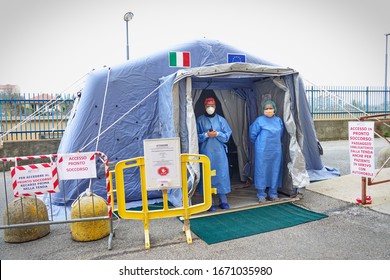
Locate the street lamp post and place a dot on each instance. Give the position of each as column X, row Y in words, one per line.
column 127, row 17
column 387, row 35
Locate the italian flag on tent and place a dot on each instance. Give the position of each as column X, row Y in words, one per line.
column 179, row 59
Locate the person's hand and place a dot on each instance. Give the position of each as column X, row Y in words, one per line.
column 212, row 134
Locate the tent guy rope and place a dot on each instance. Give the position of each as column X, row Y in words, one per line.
column 103, row 106
column 342, row 103
column 42, row 109
column 124, row 115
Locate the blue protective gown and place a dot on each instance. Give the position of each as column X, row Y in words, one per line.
column 266, row 133
column 215, row 149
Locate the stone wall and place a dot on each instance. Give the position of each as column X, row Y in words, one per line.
column 331, row 130
column 28, row 148
column 328, row 130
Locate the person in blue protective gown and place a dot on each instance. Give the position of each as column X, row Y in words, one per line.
column 266, row 133
column 213, row 133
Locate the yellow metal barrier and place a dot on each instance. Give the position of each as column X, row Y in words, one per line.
column 146, row 214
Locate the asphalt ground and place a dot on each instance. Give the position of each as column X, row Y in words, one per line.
column 350, row 232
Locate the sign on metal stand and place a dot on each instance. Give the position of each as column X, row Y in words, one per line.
column 162, row 163
column 361, row 150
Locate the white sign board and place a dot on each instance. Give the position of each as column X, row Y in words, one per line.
column 361, row 148
column 34, row 179
column 76, row 166
column 162, row 163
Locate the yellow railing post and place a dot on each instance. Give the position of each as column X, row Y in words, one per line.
column 185, row 210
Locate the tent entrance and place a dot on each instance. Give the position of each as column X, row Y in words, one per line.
column 232, row 148
column 238, row 89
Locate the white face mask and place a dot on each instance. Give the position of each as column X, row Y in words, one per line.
column 269, row 112
column 210, row 110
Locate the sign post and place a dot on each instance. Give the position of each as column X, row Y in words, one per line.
column 361, row 148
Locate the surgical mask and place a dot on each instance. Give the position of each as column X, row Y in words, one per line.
column 269, row 112
column 210, row 110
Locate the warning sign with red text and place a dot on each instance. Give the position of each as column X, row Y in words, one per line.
column 34, row 179
column 361, row 148
column 76, row 166
column 162, row 163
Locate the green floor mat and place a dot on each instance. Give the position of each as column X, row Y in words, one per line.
column 156, row 206
column 222, row 227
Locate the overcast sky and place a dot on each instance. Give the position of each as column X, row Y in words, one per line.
column 47, row 46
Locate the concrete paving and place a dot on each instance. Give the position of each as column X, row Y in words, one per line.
column 349, row 188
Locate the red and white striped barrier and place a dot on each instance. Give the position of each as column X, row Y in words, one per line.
column 16, row 159
column 20, row 171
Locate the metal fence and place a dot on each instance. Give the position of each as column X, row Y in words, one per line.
column 33, row 116
column 38, row 116
column 342, row 102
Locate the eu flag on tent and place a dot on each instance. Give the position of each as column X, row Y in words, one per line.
column 235, row 57
column 179, row 59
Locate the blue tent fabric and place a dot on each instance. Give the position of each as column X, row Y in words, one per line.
column 136, row 101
